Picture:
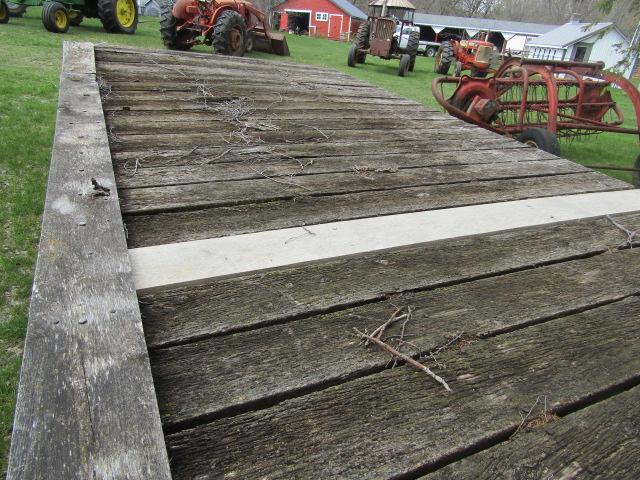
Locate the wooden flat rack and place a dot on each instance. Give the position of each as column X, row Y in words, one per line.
column 216, row 230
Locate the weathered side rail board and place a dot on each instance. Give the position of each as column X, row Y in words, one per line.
column 86, row 405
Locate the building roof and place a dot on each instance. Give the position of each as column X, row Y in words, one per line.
column 393, row 4
column 482, row 24
column 569, row 33
column 350, row 8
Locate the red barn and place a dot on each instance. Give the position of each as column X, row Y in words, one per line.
column 335, row 19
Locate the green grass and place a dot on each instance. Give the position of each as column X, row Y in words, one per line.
column 30, row 60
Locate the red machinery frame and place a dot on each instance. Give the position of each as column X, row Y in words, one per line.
column 505, row 104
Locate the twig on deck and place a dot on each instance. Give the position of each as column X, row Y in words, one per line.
column 288, row 184
column 211, row 160
column 316, row 129
column 392, row 319
column 631, row 234
column 396, row 354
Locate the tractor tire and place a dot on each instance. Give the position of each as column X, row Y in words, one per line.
column 405, row 60
column 362, row 42
column 229, row 35
column 352, row 55
column 4, row 12
column 412, row 49
column 444, row 58
column 248, row 48
column 635, row 177
column 457, row 70
column 55, row 17
column 75, row 18
column 16, row 10
column 171, row 38
column 118, row 16
column 540, row 138
column 430, row 52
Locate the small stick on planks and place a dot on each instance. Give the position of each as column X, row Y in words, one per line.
column 402, row 356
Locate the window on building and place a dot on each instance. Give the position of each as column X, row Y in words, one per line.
column 322, row 16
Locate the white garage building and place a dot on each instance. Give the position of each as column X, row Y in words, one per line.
column 508, row 36
column 582, row 42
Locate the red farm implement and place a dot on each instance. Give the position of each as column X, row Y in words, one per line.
column 538, row 101
column 232, row 27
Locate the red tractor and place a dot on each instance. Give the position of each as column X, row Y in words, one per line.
column 232, row 27
column 473, row 55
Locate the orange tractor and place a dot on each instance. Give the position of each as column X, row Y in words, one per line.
column 232, row 27
column 474, row 55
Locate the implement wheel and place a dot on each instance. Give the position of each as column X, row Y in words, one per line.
column 75, row 18
column 230, row 34
column 405, row 60
column 118, row 16
column 171, row 37
column 15, row 9
column 55, row 17
column 412, row 49
column 444, row 58
column 542, row 139
column 362, row 42
column 4, row 12
column 352, row 55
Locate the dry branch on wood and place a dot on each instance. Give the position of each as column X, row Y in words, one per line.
column 403, row 357
column 544, row 417
column 631, row 234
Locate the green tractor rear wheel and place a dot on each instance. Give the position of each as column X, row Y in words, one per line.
column 118, row 16
column 4, row 12
column 55, row 17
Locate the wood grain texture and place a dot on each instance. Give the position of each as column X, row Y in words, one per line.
column 86, row 404
column 401, row 422
column 218, row 194
column 273, row 165
column 158, row 228
column 214, row 307
column 600, row 441
column 282, row 365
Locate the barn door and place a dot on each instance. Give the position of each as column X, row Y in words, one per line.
column 335, row 26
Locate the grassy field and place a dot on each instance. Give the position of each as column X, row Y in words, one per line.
column 29, row 69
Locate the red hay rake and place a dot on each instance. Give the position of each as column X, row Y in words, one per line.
column 540, row 100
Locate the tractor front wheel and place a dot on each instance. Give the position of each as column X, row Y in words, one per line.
column 352, row 55
column 16, row 9
column 171, row 37
column 118, row 16
column 362, row 42
column 55, row 17
column 635, row 178
column 4, row 12
column 540, row 138
column 412, row 49
column 405, row 60
column 444, row 58
column 230, row 34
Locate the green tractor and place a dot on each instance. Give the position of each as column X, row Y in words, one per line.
column 117, row 16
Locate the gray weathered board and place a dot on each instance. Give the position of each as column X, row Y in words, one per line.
column 259, row 375
column 86, row 405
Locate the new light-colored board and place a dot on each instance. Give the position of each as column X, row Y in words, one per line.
column 86, row 406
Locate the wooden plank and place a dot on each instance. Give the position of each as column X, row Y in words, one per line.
column 129, row 125
column 266, row 189
column 274, row 166
column 238, row 254
column 365, row 148
column 154, row 229
column 600, row 441
column 86, row 404
column 282, row 365
column 218, row 306
column 400, row 422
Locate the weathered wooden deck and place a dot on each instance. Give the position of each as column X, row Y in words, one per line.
column 348, row 203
